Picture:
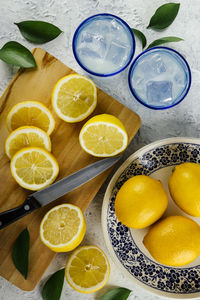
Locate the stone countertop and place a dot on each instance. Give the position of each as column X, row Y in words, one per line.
column 182, row 120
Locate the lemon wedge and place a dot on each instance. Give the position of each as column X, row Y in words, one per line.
column 30, row 113
column 26, row 136
column 34, row 168
column 74, row 98
column 87, row 269
column 63, row 228
column 103, row 135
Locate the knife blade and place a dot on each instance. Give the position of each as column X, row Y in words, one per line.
column 56, row 190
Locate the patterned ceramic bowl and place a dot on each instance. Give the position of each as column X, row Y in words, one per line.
column 125, row 244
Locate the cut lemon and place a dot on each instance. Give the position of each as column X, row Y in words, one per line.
column 30, row 113
column 63, row 228
column 74, row 98
column 103, row 135
column 87, row 269
column 27, row 136
column 34, row 168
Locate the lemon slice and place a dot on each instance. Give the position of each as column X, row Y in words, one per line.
column 63, row 228
column 30, row 113
column 34, row 168
column 74, row 98
column 103, row 135
column 27, row 136
column 87, row 269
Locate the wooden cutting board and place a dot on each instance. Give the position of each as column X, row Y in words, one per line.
column 37, row 85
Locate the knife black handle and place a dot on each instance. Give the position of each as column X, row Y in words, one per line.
column 9, row 216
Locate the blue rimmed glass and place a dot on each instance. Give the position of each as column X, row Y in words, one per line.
column 159, row 78
column 117, row 48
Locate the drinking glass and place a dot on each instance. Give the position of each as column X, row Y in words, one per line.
column 103, row 45
column 159, row 78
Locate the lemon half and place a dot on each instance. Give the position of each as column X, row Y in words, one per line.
column 87, row 269
column 26, row 136
column 74, row 98
column 30, row 113
column 34, row 168
column 63, row 228
column 103, row 135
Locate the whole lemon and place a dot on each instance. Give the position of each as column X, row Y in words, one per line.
column 174, row 241
column 140, row 202
column 184, row 186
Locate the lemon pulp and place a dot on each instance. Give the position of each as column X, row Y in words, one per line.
column 63, row 228
column 87, row 269
column 74, row 98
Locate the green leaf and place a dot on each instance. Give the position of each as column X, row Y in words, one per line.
column 164, row 16
column 20, row 252
column 117, row 293
column 167, row 39
column 140, row 36
column 53, row 287
column 38, row 31
column 15, row 54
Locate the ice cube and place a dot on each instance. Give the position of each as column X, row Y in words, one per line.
column 93, row 27
column 99, row 27
column 158, row 64
column 145, row 68
column 159, row 91
column 114, row 25
column 93, row 45
column 104, row 28
column 117, row 53
column 180, row 78
column 118, row 32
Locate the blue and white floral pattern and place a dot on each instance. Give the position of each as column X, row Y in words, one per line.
column 163, row 278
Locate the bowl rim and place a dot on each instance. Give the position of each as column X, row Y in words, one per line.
column 110, row 185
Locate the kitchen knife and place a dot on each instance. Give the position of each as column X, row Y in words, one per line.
column 56, row 190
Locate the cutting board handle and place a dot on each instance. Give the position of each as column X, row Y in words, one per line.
column 9, row 216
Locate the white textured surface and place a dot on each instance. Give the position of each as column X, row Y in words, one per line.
column 182, row 120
